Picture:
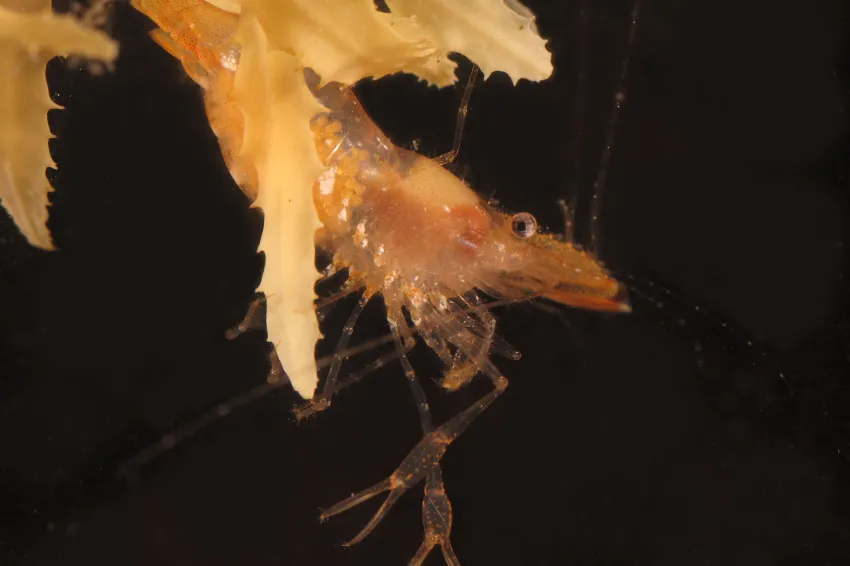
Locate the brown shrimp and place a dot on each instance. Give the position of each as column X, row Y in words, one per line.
column 404, row 228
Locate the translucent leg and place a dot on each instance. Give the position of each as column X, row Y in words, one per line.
column 422, row 461
column 251, row 321
column 323, row 400
column 372, row 367
column 318, row 404
column 461, row 119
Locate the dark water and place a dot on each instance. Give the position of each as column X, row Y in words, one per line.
column 677, row 435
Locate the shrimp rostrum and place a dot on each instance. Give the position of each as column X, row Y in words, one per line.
column 404, row 228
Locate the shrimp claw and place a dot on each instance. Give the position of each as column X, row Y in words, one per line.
column 436, row 520
column 423, row 461
column 410, row 472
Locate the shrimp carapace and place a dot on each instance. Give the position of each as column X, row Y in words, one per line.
column 391, row 214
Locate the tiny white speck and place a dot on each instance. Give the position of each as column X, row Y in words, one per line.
column 326, row 182
column 229, row 61
column 343, row 214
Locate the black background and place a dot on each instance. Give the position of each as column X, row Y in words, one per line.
column 711, row 426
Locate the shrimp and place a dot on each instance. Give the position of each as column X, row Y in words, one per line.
column 404, row 228
column 408, row 230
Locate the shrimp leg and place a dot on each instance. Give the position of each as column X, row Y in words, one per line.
column 423, row 462
column 373, row 366
column 309, row 409
column 323, row 400
column 447, row 158
column 416, row 465
column 250, row 321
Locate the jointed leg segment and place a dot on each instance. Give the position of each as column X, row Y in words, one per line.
column 423, row 462
column 461, row 119
column 323, row 399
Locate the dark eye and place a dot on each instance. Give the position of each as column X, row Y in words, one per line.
column 523, row 225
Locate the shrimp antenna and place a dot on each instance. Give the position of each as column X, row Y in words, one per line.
column 653, row 292
column 610, row 136
column 447, row 158
column 276, row 380
column 579, row 119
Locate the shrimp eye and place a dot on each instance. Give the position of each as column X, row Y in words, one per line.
column 523, row 225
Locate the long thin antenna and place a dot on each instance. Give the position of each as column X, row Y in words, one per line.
column 277, row 379
column 610, row 136
column 580, row 118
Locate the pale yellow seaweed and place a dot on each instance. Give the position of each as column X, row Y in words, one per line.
column 348, row 40
column 31, row 35
column 497, row 35
column 277, row 106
